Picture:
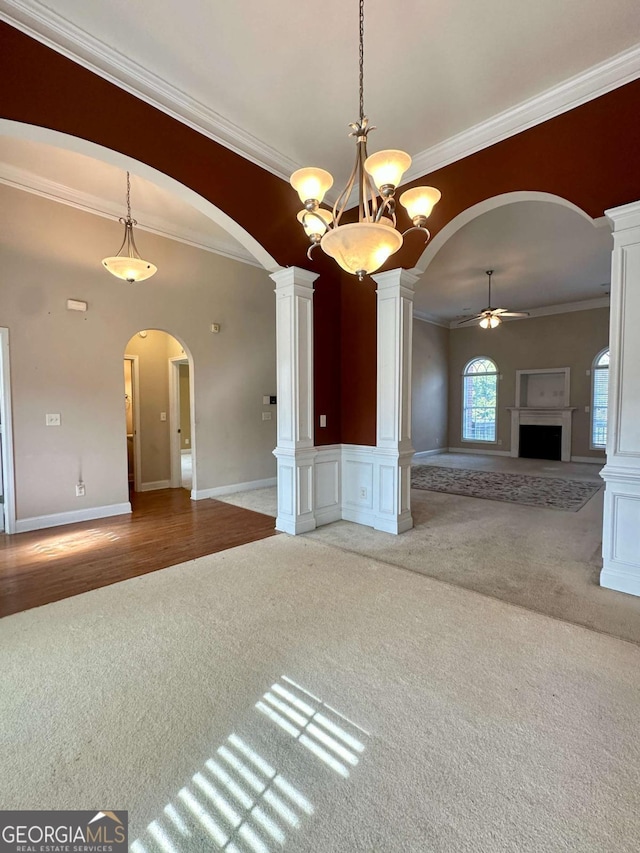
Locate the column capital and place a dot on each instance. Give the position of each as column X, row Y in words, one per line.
column 625, row 216
column 397, row 278
column 293, row 276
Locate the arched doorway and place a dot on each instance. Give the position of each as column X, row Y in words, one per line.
column 159, row 412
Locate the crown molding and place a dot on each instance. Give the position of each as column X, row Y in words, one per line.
column 50, row 28
column 22, row 179
column 595, row 81
column 547, row 310
column 425, row 317
column 56, row 32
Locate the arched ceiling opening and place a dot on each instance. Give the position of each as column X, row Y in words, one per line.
column 93, row 178
column 543, row 253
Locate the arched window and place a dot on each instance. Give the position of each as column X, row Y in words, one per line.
column 479, row 400
column 599, row 399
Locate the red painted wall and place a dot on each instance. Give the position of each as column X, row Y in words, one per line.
column 590, row 156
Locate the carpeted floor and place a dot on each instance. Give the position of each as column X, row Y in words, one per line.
column 472, row 725
column 540, row 559
column 546, row 492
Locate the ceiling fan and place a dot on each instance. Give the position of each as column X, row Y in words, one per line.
column 490, row 317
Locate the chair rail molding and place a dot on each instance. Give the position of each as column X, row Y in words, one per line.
column 620, row 541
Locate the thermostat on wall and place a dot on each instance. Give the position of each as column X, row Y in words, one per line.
column 76, row 305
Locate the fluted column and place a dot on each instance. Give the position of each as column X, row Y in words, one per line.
column 295, row 449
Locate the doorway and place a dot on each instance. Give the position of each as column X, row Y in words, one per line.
column 180, row 426
column 158, row 397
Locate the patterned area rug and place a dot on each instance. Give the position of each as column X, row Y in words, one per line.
column 549, row 492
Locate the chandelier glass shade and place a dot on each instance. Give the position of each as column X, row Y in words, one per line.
column 127, row 263
column 362, row 247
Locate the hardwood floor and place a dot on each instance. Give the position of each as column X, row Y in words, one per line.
column 165, row 528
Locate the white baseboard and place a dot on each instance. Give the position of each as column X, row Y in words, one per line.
column 595, row 460
column 620, row 581
column 420, row 454
column 153, row 486
column 480, row 452
column 185, row 450
column 215, row 492
column 40, row 522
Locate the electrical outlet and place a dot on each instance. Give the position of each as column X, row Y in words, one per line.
column 499, row 441
column 323, row 420
column 52, row 420
column 363, row 492
column 80, row 490
column 186, row 441
column 266, row 416
column 163, row 416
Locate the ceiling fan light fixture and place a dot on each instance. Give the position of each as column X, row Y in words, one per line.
column 361, row 247
column 490, row 322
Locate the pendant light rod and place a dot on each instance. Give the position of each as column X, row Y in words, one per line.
column 489, row 273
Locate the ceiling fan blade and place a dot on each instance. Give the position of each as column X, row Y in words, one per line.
column 470, row 320
column 499, row 310
column 515, row 314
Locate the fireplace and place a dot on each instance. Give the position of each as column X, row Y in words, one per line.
column 540, row 442
column 541, row 419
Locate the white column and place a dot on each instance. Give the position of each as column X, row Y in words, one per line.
column 392, row 480
column 621, row 531
column 295, row 450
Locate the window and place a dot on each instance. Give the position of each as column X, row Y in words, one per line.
column 599, row 399
column 479, row 400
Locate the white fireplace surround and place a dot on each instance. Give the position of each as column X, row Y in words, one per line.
column 533, row 388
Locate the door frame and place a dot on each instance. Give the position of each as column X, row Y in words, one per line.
column 135, row 390
column 174, row 421
column 6, row 436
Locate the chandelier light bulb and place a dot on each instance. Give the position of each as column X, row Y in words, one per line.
column 315, row 222
column 387, row 167
column 311, row 183
column 420, row 201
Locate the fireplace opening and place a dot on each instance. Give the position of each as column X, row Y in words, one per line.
column 541, row 442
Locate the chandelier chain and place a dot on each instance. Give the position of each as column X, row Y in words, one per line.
column 361, row 61
column 128, row 196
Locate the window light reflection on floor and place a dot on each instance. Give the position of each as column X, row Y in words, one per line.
column 238, row 801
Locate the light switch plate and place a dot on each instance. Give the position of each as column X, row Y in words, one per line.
column 163, row 416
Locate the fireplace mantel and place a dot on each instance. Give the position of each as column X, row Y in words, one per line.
column 551, row 416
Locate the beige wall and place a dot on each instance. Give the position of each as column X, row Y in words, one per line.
column 71, row 362
column 429, row 386
column 185, row 408
column 154, row 352
column 560, row 340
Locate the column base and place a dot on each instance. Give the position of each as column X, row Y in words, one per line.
column 620, row 541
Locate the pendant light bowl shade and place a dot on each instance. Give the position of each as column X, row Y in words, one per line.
column 129, row 269
column 387, row 167
column 361, row 248
column 420, row 201
column 311, row 183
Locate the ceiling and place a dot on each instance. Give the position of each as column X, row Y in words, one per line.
column 278, row 82
column 542, row 254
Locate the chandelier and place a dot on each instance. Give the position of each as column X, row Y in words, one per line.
column 127, row 263
column 362, row 247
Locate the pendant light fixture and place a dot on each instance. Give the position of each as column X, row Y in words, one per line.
column 362, row 247
column 128, row 264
